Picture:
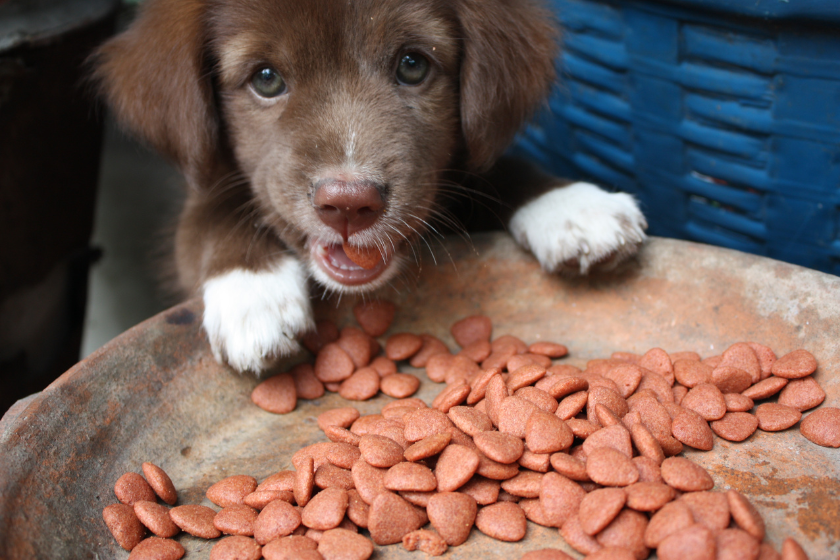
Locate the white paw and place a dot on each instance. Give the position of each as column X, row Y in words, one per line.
column 579, row 226
column 253, row 318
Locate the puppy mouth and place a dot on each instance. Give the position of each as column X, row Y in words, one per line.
column 334, row 261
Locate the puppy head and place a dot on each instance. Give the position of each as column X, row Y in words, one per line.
column 343, row 117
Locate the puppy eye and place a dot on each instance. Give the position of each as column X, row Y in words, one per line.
column 413, row 69
column 267, row 82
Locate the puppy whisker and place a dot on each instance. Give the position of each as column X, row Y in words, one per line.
column 256, row 158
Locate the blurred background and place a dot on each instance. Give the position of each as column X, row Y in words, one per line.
column 83, row 208
column 721, row 117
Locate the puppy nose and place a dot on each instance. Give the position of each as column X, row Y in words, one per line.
column 348, row 207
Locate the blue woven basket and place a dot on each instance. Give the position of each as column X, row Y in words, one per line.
column 721, row 116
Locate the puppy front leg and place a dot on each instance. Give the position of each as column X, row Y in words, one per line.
column 256, row 296
column 570, row 227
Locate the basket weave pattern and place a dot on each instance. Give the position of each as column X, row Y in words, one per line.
column 726, row 129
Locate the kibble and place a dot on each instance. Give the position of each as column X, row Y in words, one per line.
column 546, row 433
column 615, row 437
column 374, row 316
column 612, row 553
column 504, row 521
column 573, row 534
column 426, row 541
column 478, row 351
column 380, row 451
column 156, row 518
column 736, row 402
column 741, row 356
column 822, row 427
column 646, row 444
column 362, row 385
column 452, row 514
column 358, row 345
column 735, row 426
column 277, row 519
column 710, row 509
column 410, row 477
column 513, row 415
column 765, row 388
column 526, row 484
column 330, row 476
column 427, row 447
column 196, row 520
column 672, row 518
column 343, row 455
column 279, row 481
column 693, row 430
column 391, row 518
column 499, row 446
column 735, row 544
column 326, row 509
column 156, row 548
column 692, row 543
column 795, row 365
column 649, row 496
column 802, row 394
column 610, row 467
column 496, row 448
column 690, row 373
column 792, row 550
column 455, row 466
column 342, row 544
column 261, row 498
column 483, row 490
column 599, row 507
column 236, row 548
column 276, row 394
column 626, row 531
column 649, row 470
column 368, row 480
column 682, row 474
column 131, row 488
column 706, row 400
column 333, row 364
column 231, row 490
column 470, row 329
column 731, row 379
column 307, row 386
column 236, row 520
column 454, row 394
column 160, row 483
column 743, row 512
column 431, row 346
column 124, row 525
column 357, row 509
column 400, row 385
column 774, row 417
column 560, row 498
column 325, row 332
column 470, row 420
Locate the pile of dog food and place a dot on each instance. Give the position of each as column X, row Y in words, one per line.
column 513, row 436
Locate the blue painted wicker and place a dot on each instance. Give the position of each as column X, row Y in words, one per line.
column 721, row 116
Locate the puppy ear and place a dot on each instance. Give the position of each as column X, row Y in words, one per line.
column 507, row 71
column 155, row 79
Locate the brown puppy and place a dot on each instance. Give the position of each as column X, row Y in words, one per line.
column 314, row 131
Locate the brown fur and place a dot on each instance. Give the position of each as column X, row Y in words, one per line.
column 178, row 78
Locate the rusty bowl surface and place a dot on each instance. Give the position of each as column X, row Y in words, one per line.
column 156, row 394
